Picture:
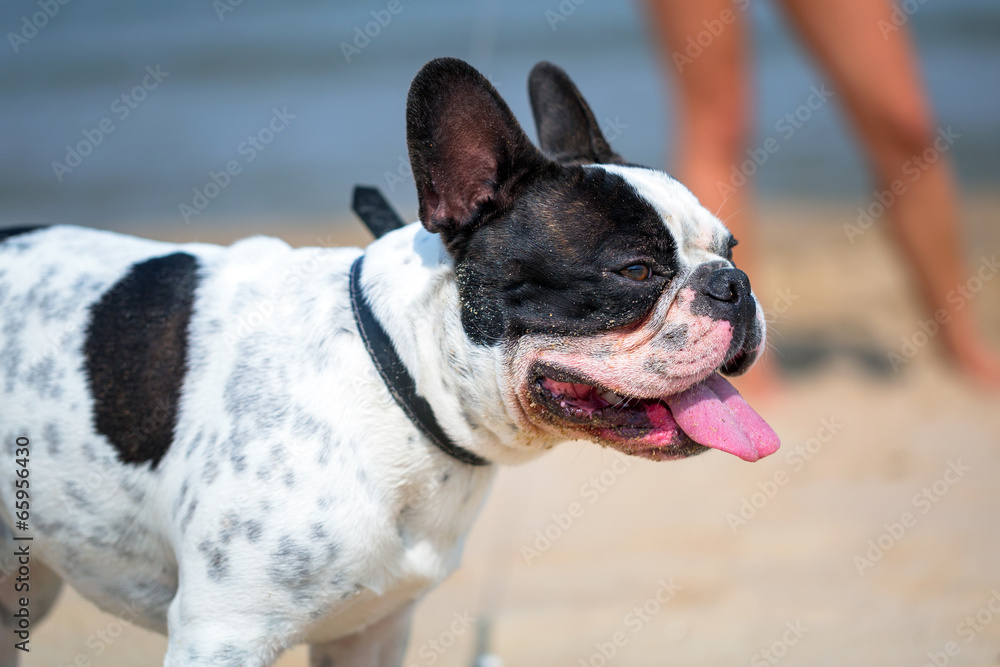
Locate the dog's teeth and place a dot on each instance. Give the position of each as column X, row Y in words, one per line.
column 611, row 397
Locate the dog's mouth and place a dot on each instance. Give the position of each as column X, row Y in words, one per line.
column 709, row 414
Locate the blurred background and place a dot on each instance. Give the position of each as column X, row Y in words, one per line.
column 123, row 115
column 229, row 68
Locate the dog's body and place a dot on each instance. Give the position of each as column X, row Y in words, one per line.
column 212, row 453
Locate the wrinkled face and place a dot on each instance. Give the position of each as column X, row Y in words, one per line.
column 606, row 289
column 611, row 291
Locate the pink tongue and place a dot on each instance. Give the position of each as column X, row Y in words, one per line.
column 714, row 414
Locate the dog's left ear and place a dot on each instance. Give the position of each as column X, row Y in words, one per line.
column 567, row 129
column 468, row 153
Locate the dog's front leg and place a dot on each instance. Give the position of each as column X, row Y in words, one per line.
column 382, row 644
column 207, row 629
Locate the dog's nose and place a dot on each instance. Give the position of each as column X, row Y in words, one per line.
column 728, row 285
column 723, row 293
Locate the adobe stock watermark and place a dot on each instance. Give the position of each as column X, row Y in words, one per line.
column 223, row 7
column 786, row 127
column 796, row 459
column 30, row 25
column 958, row 298
column 264, row 308
column 102, row 639
column 912, row 170
column 431, row 650
column 612, row 128
column 967, row 630
column 57, row 340
column 781, row 304
column 696, row 44
column 901, row 13
column 562, row 12
column 121, row 107
column 635, row 620
column 252, row 146
column 592, row 490
column 923, row 501
column 778, row 649
column 364, row 34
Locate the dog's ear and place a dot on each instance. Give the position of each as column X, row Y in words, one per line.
column 468, row 153
column 567, row 129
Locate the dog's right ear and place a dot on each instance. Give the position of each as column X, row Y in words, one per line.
column 468, row 153
column 567, row 129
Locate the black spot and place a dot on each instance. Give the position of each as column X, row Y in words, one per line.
column 194, row 444
column 230, row 526
column 278, row 454
column 136, row 492
column 53, row 439
column 189, row 514
column 656, row 366
column 181, row 497
column 136, row 350
column 672, row 337
column 317, row 532
column 210, row 472
column 218, row 561
column 291, row 564
column 40, row 376
column 79, row 496
column 8, row 232
column 230, row 655
column 254, row 530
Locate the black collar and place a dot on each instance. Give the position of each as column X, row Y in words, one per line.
column 397, row 378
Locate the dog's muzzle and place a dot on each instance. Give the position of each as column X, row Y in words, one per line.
column 723, row 293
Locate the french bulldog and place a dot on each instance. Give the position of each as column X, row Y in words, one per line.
column 254, row 446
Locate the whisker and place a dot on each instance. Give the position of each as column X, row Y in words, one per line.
column 728, row 217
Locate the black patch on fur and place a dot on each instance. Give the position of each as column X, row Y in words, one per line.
column 136, row 355
column 552, row 264
column 8, row 232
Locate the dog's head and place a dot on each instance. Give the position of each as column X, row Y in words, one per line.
column 607, row 288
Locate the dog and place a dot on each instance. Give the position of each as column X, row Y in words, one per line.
column 254, row 446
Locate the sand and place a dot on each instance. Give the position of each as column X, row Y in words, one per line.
column 871, row 538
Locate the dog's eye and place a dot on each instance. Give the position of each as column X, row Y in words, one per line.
column 638, row 272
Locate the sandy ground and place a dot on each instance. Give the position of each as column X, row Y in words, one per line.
column 871, row 538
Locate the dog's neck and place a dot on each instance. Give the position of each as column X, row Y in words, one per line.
column 408, row 280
